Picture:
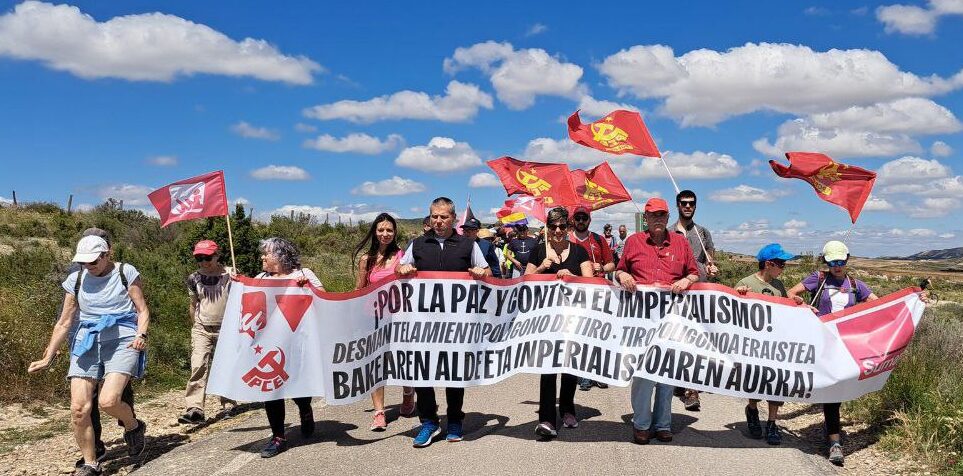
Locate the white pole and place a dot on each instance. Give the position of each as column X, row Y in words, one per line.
column 677, row 190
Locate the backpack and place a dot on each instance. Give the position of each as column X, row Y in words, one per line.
column 852, row 285
column 80, row 277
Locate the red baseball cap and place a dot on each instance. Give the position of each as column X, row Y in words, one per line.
column 581, row 209
column 205, row 247
column 656, row 204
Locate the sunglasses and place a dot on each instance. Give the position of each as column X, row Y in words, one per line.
column 203, row 258
column 778, row 263
column 687, row 203
column 558, row 226
column 836, row 263
column 580, row 218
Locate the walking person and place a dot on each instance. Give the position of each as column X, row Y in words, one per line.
column 656, row 256
column 563, row 258
column 700, row 242
column 208, row 288
column 471, row 228
column 772, row 260
column 603, row 262
column 441, row 249
column 519, row 249
column 381, row 257
column 108, row 349
column 833, row 291
column 280, row 259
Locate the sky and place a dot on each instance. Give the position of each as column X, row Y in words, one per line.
column 344, row 111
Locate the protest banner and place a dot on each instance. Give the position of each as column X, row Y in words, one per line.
column 280, row 340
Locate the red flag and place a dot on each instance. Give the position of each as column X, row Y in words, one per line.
column 550, row 182
column 196, row 197
column 619, row 132
column 844, row 185
column 599, row 187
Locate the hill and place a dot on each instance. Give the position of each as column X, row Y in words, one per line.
column 949, row 253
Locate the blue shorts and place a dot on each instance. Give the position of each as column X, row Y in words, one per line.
column 108, row 356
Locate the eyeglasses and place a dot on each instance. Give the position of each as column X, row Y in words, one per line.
column 687, row 203
column 778, row 263
column 203, row 258
column 558, row 226
column 581, row 218
column 837, row 263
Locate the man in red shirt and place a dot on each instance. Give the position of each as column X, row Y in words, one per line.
column 655, row 257
column 603, row 261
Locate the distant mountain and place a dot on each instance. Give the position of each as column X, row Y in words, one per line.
column 951, row 253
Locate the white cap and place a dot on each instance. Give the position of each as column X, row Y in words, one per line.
column 835, row 250
column 89, row 249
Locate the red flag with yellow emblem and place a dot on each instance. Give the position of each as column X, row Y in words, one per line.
column 845, row 185
column 550, row 182
column 619, row 132
column 599, row 187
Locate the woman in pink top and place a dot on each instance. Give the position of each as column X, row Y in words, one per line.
column 377, row 263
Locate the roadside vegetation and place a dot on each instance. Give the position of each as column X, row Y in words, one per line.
column 918, row 412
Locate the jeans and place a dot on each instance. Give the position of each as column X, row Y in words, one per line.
column 645, row 418
column 546, row 397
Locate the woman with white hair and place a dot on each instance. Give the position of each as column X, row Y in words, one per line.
column 833, row 291
column 108, row 348
column 280, row 259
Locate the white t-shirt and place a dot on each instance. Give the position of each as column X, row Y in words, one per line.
column 477, row 258
column 296, row 274
column 100, row 295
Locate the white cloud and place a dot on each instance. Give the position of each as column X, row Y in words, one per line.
column 908, row 115
column 947, row 235
column 442, row 154
column 704, row 87
column 911, row 170
column 142, row 47
column 913, row 20
column 864, row 241
column 745, row 193
column 280, row 172
column 518, row 76
column 248, row 131
column 343, row 213
column 908, row 179
column 484, row 179
column 795, row 224
column 302, row 127
column 591, row 107
column 132, row 195
column 393, row 186
column 799, row 134
column 459, row 104
column 536, row 29
column 563, row 151
column 876, row 204
column 163, row 160
column 941, row 149
column 934, row 208
column 697, row 165
column 6, row 201
column 641, row 195
column 240, row 201
column 355, row 143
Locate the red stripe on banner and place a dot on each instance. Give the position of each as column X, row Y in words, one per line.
column 889, row 298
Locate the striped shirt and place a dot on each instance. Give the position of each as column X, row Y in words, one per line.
column 665, row 263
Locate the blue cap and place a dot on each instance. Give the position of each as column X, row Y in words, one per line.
column 773, row 251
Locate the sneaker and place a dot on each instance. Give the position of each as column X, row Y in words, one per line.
column 429, row 430
column 641, row 437
column 88, row 470
column 569, row 421
column 274, row 447
column 664, row 436
column 600, row 384
column 546, row 430
column 407, row 404
column 773, row 435
column 584, row 384
column 307, row 423
column 752, row 420
column 378, row 423
column 836, row 454
column 691, row 401
column 191, row 416
column 455, row 432
column 135, row 439
column 101, row 451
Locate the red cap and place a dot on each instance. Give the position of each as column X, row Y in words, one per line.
column 581, row 209
column 656, row 204
column 206, row 247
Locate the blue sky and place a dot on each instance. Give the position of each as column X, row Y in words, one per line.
column 333, row 108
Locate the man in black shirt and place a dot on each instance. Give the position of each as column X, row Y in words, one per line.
column 521, row 249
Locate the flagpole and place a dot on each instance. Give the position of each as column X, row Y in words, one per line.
column 230, row 241
column 677, row 191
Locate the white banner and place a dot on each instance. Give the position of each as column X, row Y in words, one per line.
column 279, row 340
